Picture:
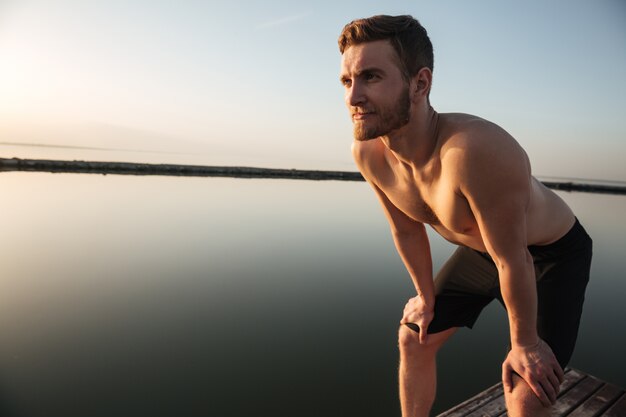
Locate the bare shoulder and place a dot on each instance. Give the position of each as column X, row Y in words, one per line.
column 470, row 141
column 369, row 157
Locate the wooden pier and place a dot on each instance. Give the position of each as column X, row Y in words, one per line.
column 581, row 395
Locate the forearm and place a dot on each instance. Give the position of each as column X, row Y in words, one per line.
column 414, row 250
column 519, row 292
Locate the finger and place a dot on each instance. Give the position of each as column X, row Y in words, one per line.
column 541, row 394
column 423, row 334
column 559, row 373
column 507, row 379
column 550, row 391
column 554, row 381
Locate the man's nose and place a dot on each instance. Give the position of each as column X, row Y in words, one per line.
column 355, row 95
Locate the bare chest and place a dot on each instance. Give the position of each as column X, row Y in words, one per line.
column 437, row 203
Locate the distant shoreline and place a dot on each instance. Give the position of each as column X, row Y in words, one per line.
column 131, row 168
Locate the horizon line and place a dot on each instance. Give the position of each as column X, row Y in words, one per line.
column 132, row 168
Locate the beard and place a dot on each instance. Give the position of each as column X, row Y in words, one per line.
column 389, row 118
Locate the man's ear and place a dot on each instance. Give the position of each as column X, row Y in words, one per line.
column 421, row 83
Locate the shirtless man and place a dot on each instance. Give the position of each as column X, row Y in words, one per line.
column 471, row 182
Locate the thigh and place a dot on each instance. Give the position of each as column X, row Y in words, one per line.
column 467, row 271
column 560, row 296
column 463, row 287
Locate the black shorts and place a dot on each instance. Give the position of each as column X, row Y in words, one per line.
column 469, row 281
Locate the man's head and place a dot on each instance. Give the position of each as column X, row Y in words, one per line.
column 408, row 38
column 386, row 66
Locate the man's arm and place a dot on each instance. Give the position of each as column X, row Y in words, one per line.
column 494, row 177
column 411, row 241
column 412, row 244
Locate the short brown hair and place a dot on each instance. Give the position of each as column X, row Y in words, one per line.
column 406, row 35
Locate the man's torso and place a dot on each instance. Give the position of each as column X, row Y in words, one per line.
column 432, row 194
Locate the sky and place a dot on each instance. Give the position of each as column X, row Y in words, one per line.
column 257, row 83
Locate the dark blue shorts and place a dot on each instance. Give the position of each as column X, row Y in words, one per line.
column 469, row 281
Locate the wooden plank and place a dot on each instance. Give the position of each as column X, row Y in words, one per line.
column 475, row 402
column 599, row 402
column 572, row 377
column 493, row 408
column 491, row 401
column 575, row 384
column 581, row 395
column 576, row 396
column 618, row 409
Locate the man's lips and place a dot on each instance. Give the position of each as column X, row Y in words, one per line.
column 362, row 115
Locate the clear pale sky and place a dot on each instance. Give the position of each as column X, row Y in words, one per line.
column 256, row 83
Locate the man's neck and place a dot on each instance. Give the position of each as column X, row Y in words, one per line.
column 415, row 143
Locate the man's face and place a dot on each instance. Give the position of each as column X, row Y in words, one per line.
column 375, row 92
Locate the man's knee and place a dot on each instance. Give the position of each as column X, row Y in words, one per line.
column 522, row 401
column 408, row 341
column 407, row 338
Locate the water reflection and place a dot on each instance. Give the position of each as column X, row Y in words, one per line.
column 180, row 296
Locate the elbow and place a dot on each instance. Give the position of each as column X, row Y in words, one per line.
column 516, row 260
column 404, row 234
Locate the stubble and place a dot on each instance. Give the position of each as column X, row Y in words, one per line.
column 388, row 119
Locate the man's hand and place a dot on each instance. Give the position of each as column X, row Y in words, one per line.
column 538, row 366
column 418, row 312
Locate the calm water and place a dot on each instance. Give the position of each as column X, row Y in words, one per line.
column 220, row 297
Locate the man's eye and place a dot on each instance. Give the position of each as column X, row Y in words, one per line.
column 346, row 82
column 370, row 77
